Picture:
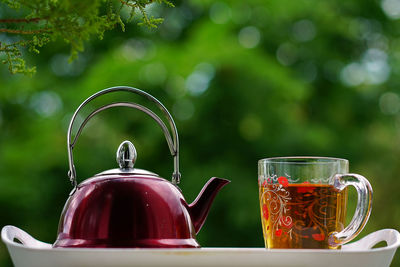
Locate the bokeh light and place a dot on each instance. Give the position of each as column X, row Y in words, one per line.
column 199, row 81
column 61, row 65
column 308, row 71
column 391, row 8
column 286, row 54
column 183, row 109
column 304, row 30
column 154, row 73
column 249, row 37
column 176, row 86
column 389, row 103
column 373, row 69
column 137, row 49
column 220, row 13
column 46, row 103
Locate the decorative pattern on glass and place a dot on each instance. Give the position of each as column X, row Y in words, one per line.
column 300, row 215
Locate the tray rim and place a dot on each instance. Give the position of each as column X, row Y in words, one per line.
column 364, row 245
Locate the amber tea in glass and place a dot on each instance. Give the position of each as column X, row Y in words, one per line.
column 303, row 202
column 306, row 219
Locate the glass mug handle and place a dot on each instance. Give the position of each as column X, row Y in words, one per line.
column 363, row 209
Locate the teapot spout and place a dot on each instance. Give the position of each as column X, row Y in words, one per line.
column 200, row 207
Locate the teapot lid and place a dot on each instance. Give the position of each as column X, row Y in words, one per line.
column 126, row 158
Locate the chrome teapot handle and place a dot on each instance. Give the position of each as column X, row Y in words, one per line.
column 173, row 142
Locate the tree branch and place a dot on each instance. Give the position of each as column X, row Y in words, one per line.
column 128, row 4
column 24, row 32
column 20, row 20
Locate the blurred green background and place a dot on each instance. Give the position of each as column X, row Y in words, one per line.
column 244, row 80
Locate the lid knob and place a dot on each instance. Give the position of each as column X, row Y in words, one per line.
column 126, row 155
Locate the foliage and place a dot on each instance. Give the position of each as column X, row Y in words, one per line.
column 244, row 80
column 72, row 21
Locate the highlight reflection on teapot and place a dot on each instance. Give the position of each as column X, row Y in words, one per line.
column 130, row 207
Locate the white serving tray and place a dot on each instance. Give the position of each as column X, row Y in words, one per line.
column 34, row 253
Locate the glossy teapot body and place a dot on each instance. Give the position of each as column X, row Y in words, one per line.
column 126, row 211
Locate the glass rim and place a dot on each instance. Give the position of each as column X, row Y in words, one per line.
column 302, row 160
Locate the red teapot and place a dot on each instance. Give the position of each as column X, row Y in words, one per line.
column 130, row 207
